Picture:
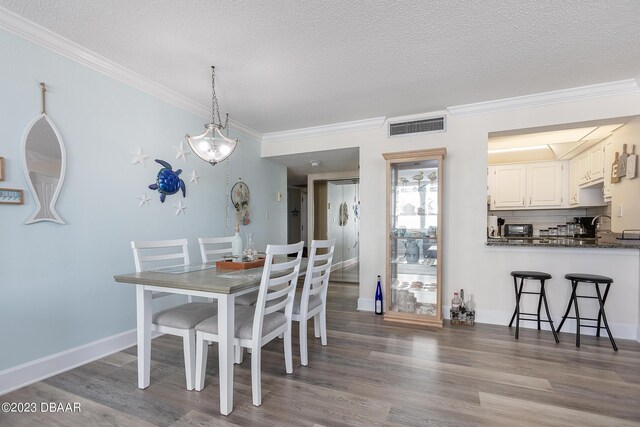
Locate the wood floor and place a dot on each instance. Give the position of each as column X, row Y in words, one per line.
column 371, row 373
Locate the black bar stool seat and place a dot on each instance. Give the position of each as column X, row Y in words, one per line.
column 577, row 278
column 517, row 315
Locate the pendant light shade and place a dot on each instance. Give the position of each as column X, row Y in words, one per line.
column 213, row 146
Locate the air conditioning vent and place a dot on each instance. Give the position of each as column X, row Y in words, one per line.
column 435, row 124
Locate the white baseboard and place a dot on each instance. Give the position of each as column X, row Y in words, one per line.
column 366, row 304
column 37, row 370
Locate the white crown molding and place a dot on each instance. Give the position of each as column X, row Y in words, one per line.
column 41, row 36
column 353, row 126
column 545, row 98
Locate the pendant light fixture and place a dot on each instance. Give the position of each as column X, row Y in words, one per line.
column 213, row 146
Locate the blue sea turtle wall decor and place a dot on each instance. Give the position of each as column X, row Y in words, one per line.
column 168, row 182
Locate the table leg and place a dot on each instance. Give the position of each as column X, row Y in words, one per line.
column 143, row 319
column 226, row 318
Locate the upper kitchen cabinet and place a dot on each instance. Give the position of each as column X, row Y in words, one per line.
column 590, row 165
column 541, row 185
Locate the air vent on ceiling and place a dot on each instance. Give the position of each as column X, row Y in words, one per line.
column 434, row 124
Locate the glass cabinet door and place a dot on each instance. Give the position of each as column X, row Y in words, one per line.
column 414, row 237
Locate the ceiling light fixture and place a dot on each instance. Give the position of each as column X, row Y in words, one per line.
column 213, row 146
column 509, row 150
column 315, row 163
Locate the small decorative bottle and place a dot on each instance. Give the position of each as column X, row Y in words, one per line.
column 454, row 312
column 378, row 297
column 236, row 243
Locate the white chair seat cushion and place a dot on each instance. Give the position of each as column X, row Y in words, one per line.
column 244, row 323
column 314, row 301
column 185, row 316
column 247, row 299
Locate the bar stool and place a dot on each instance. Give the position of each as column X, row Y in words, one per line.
column 531, row 275
column 577, row 278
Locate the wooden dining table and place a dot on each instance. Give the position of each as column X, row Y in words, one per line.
column 202, row 280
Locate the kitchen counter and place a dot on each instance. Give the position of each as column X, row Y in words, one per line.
column 604, row 241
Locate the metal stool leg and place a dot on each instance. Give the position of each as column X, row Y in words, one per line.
column 571, row 299
column 540, row 301
column 604, row 316
column 519, row 294
column 543, row 296
column 515, row 311
column 574, row 284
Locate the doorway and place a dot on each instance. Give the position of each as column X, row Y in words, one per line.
column 337, row 216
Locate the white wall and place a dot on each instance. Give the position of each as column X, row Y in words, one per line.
column 56, row 281
column 626, row 193
column 482, row 271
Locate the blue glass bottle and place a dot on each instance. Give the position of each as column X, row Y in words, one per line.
column 379, row 297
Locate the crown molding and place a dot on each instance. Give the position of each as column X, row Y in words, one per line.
column 41, row 36
column 353, row 126
column 545, row 98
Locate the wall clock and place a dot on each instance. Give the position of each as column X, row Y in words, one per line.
column 240, row 199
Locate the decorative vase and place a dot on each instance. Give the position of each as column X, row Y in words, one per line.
column 412, row 251
column 249, row 253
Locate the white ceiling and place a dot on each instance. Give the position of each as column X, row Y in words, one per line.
column 298, row 165
column 292, row 64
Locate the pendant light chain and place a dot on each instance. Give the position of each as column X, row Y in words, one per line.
column 226, row 199
column 215, row 109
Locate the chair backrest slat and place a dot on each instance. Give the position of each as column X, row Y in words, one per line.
column 276, row 285
column 221, row 246
column 149, row 254
column 316, row 281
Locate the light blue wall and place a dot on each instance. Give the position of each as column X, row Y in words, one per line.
column 56, row 281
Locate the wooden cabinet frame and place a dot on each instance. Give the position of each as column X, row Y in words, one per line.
column 407, row 158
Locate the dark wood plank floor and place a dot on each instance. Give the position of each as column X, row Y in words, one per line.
column 371, row 373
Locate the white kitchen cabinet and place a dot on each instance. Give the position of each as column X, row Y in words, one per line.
column 590, row 164
column 509, row 186
column 540, row 185
column 608, row 161
column 585, row 178
column 544, row 184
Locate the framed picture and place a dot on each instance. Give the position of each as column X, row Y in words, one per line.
column 11, row 196
column 1, row 168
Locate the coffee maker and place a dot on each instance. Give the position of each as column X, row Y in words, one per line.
column 585, row 223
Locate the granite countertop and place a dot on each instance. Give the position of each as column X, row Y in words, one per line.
column 603, row 241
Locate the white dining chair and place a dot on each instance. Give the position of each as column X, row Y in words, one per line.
column 179, row 320
column 215, row 248
column 257, row 325
column 312, row 301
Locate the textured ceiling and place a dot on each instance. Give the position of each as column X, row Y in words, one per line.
column 291, row 64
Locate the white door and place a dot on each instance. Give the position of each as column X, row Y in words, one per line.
column 596, row 162
column 509, row 186
column 544, row 182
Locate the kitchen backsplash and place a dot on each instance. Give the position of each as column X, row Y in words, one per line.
column 545, row 218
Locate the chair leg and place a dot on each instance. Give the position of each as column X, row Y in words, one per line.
column 304, row 358
column 239, row 354
column 604, row 316
column 316, row 326
column 518, row 295
column 543, row 295
column 575, row 305
column 571, row 299
column 323, row 326
column 288, row 354
column 201, row 362
column 189, row 347
column 256, row 386
column 540, row 302
column 515, row 311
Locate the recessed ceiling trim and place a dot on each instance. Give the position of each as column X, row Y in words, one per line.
column 545, row 98
column 39, row 35
column 352, row 126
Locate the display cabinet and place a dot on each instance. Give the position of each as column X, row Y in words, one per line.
column 414, row 237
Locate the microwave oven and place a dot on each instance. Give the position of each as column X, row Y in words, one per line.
column 518, row 230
